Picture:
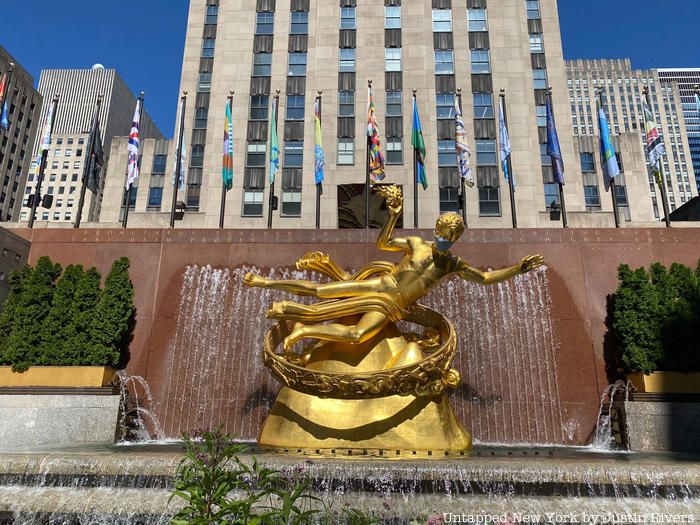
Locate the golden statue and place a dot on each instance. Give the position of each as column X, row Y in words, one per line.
column 363, row 384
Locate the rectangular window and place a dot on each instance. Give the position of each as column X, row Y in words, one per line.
column 541, row 116
column 442, row 20
column 299, row 23
column 295, row 107
column 394, row 150
column 445, row 106
column 483, row 105
column 69, row 152
column 159, row 164
column 551, row 196
column 346, row 103
column 545, row 159
column 533, row 9
column 347, row 60
column 449, row 200
column 392, row 59
column 256, row 155
column 258, row 107
column 481, row 63
column 291, row 203
column 293, row 154
column 587, row 162
column 297, row 65
column 536, row 45
column 539, row 77
column 347, row 18
column 200, row 117
column 444, row 62
column 447, row 155
column 477, row 20
column 155, row 197
column 262, row 64
column 489, row 202
column 208, row 46
column 346, row 152
column 592, row 194
column 393, row 103
column 486, row 152
column 193, row 194
column 392, row 17
column 253, row 203
column 204, row 83
column 265, row 24
column 212, row 14
column 197, row 158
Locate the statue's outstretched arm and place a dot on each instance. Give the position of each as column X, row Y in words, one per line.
column 394, row 203
column 496, row 276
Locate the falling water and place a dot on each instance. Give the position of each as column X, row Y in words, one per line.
column 604, row 438
column 507, row 356
column 137, row 421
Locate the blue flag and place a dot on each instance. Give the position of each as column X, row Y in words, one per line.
column 504, row 140
column 418, row 144
column 553, row 146
column 5, row 120
column 697, row 102
column 607, row 151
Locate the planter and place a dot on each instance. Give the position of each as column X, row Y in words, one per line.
column 57, row 376
column 666, row 382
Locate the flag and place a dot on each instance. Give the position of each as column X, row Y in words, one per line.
column 418, row 147
column 45, row 140
column 96, row 160
column 553, row 146
column 655, row 146
column 134, row 147
column 274, row 145
column 504, row 139
column 463, row 153
column 607, row 151
column 4, row 118
column 227, row 165
column 697, row 102
column 376, row 157
column 182, row 148
column 3, row 87
column 320, row 157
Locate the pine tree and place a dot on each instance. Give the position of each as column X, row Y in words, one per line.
column 112, row 314
column 79, row 343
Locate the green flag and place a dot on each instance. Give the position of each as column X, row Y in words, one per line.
column 419, row 147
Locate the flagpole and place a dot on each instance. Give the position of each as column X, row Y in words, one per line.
column 511, row 182
column 415, row 174
column 88, row 162
column 562, row 200
column 178, row 158
column 42, row 166
column 661, row 181
column 224, row 190
column 368, row 183
column 319, row 186
column 616, row 211
column 463, row 182
column 6, row 95
column 128, row 192
column 271, row 203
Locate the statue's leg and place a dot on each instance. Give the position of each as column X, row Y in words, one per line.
column 369, row 325
column 322, row 290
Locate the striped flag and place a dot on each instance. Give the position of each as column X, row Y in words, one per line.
column 504, row 140
column 4, row 115
column 553, row 146
column 655, row 146
column 227, row 166
column 607, row 150
column 134, row 147
column 319, row 155
column 274, row 144
column 183, row 154
column 463, row 153
column 418, row 144
column 45, row 140
column 3, row 86
column 376, row 157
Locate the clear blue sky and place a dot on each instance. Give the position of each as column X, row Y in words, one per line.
column 144, row 40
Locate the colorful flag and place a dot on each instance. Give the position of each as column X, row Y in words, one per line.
column 3, row 87
column 96, row 160
column 182, row 148
column 418, row 147
column 463, row 153
column 274, row 144
column 320, row 157
column 697, row 102
column 134, row 147
column 607, row 151
column 5, row 117
column 227, row 166
column 655, row 146
column 376, row 157
column 553, row 146
column 504, row 139
column 45, row 141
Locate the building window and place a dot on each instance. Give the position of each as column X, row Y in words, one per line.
column 347, row 60
column 393, row 103
column 392, row 17
column 446, row 153
column 346, row 152
column 258, row 107
column 212, row 14
column 483, row 105
column 449, row 200
column 539, row 77
column 346, row 103
column 253, row 203
column 551, row 196
column 159, row 164
column 200, row 117
column 265, row 24
column 477, row 20
column 445, row 106
column 193, row 193
column 592, row 194
column 587, row 162
column 533, row 9
column 204, row 83
column 442, row 20
column 262, row 64
column 291, row 203
column 444, row 62
column 208, row 46
column 293, row 154
column 155, row 197
column 392, row 58
column 197, row 160
column 486, row 152
column 536, row 45
column 481, row 61
column 347, row 18
column 256, row 155
column 489, row 202
column 297, row 65
column 394, row 150
column 541, row 116
column 545, row 159
column 295, row 107
column 300, row 23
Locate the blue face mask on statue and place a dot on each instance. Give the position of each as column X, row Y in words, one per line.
column 442, row 245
